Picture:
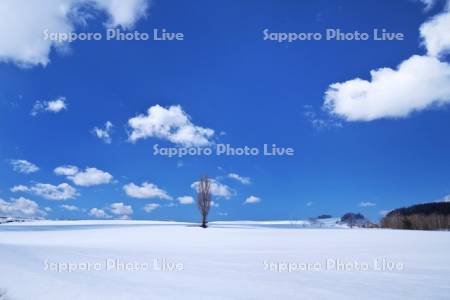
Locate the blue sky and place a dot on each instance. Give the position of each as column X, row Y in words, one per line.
column 384, row 146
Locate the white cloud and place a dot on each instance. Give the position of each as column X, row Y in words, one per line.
column 151, row 207
column 54, row 106
column 21, row 27
column 20, row 207
column 171, row 124
column 23, row 166
column 121, row 209
column 435, row 34
column 62, row 191
column 367, row 204
column 214, row 204
column 186, row 200
column 145, row 191
column 19, row 188
column 123, row 13
column 22, row 24
column 309, row 203
column 252, row 200
column 69, row 207
column 418, row 83
column 90, row 177
column 99, row 213
column 66, row 170
column 217, row 189
column 221, row 190
column 241, row 179
column 104, row 134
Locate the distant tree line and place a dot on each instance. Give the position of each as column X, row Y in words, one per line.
column 428, row 216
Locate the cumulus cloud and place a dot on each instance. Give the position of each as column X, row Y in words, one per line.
column 20, row 207
column 123, row 13
column 221, row 190
column 252, row 200
column 62, row 191
column 19, row 188
column 48, row 191
column 367, row 204
column 435, row 34
column 99, row 213
column 66, row 170
column 88, row 177
column 241, row 179
column 172, row 124
column 121, row 209
column 418, row 83
column 69, row 207
column 185, row 200
column 217, row 189
column 148, row 208
column 104, row 134
column 23, row 166
column 145, row 191
column 22, row 24
column 53, row 106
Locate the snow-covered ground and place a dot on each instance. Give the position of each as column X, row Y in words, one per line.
column 229, row 260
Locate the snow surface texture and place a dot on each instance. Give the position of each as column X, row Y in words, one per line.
column 229, row 260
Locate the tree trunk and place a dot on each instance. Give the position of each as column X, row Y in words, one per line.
column 204, row 221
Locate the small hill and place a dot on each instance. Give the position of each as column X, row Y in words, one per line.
column 355, row 219
column 324, row 216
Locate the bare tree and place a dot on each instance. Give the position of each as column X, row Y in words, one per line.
column 204, row 198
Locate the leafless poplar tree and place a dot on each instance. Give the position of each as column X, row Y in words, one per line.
column 204, row 198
